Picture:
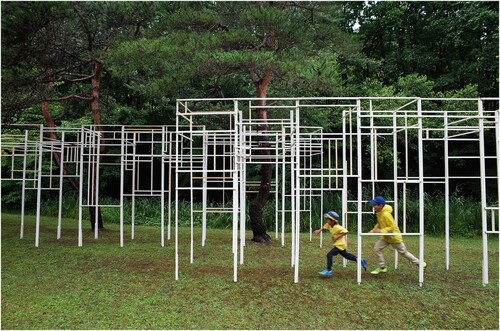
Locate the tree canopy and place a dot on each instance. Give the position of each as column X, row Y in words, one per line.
column 155, row 52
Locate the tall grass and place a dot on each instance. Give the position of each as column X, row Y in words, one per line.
column 465, row 214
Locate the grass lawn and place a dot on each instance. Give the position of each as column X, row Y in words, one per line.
column 104, row 286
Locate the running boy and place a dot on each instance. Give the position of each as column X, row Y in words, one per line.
column 386, row 224
column 339, row 244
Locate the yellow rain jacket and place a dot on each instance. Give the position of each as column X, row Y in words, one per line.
column 340, row 243
column 386, row 223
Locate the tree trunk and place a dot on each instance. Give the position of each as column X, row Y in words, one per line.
column 257, row 205
column 51, row 124
column 96, row 117
column 57, row 157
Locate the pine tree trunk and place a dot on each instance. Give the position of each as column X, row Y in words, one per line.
column 57, row 158
column 96, row 117
column 256, row 207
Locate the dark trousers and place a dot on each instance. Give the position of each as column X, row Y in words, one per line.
column 335, row 251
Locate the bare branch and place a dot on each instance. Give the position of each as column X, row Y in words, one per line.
column 76, row 80
column 71, row 96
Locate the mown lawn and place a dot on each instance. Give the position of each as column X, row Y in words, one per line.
column 103, row 286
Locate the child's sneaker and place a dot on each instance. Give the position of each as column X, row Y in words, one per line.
column 363, row 263
column 326, row 273
column 379, row 270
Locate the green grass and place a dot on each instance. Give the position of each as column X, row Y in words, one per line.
column 103, row 286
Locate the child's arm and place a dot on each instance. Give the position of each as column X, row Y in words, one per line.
column 319, row 230
column 339, row 235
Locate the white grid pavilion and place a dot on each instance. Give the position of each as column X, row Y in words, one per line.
column 306, row 162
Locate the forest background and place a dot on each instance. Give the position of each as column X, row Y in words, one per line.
column 67, row 64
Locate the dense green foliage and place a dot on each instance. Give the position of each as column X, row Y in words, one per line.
column 156, row 52
column 102, row 286
column 446, row 41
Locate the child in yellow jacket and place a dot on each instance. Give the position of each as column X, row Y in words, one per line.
column 386, row 224
column 339, row 243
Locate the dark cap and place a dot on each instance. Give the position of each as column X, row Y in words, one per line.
column 332, row 215
column 377, row 201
